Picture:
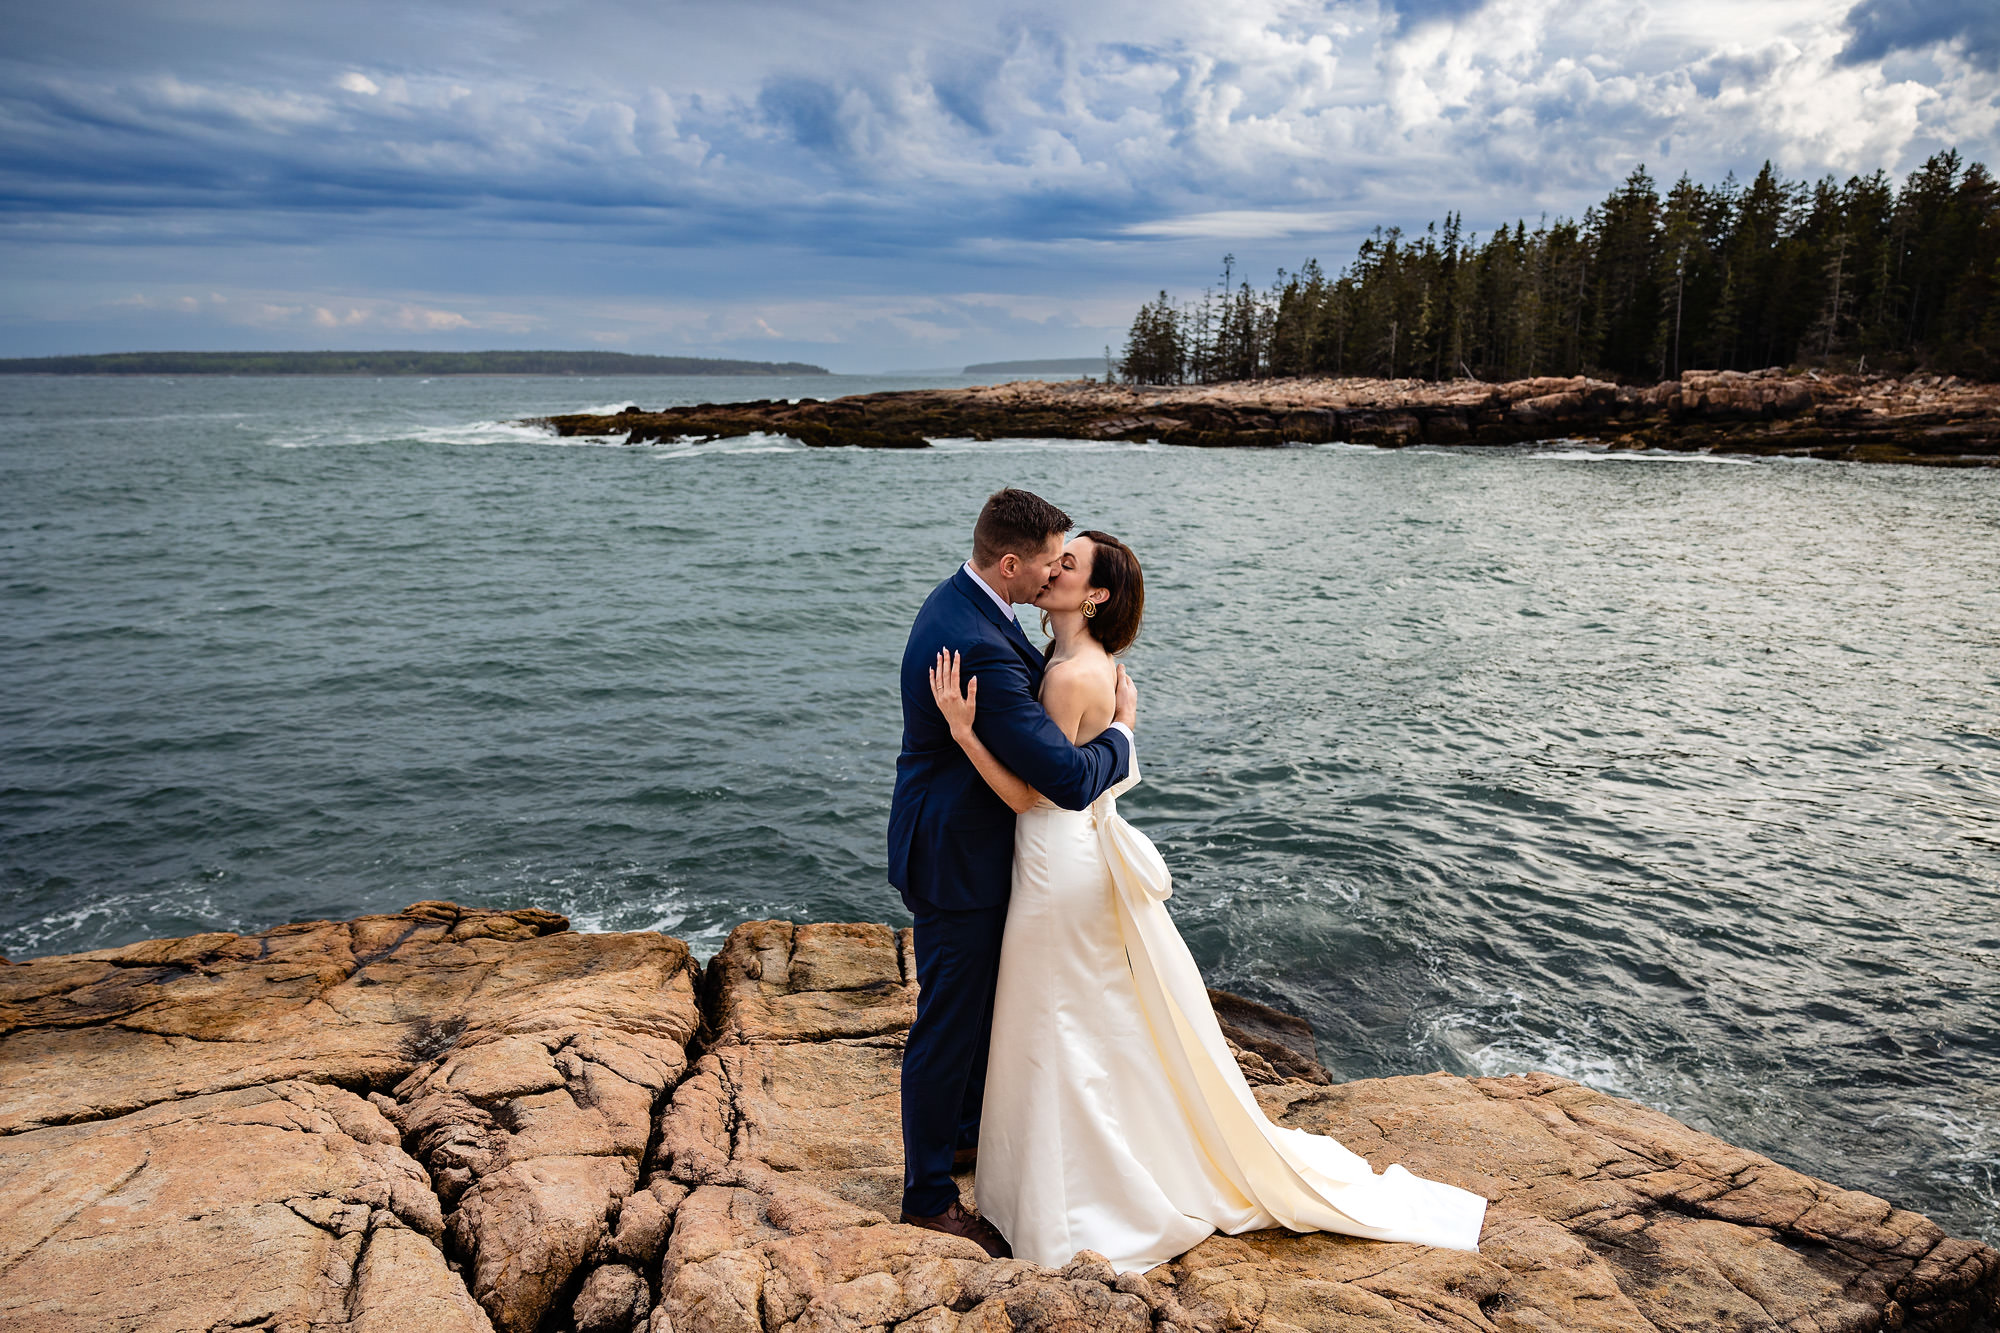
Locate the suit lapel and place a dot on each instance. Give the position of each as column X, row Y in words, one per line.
column 982, row 602
column 1029, row 653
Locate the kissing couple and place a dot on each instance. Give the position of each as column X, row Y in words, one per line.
column 1064, row 1040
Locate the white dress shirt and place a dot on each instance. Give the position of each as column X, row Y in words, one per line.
column 1006, row 607
column 1007, row 610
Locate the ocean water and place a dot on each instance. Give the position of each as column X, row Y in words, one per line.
column 1674, row 776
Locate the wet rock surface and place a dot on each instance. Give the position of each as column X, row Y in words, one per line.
column 1918, row 419
column 449, row 1119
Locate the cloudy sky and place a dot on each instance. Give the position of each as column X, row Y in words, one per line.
column 866, row 185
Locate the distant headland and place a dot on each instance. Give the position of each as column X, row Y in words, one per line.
column 394, row 363
column 1940, row 421
column 1062, row 365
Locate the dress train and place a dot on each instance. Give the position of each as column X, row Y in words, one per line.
column 1115, row 1118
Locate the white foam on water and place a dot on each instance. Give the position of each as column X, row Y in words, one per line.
column 1515, row 1056
column 1489, row 1036
column 1024, row 444
column 1972, row 1156
column 602, row 920
column 63, row 928
column 1640, row 456
column 322, row 440
column 490, row 432
column 759, row 443
column 466, row 433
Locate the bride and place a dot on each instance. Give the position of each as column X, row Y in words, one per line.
column 1115, row 1118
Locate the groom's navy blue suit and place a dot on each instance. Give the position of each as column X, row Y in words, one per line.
column 951, row 855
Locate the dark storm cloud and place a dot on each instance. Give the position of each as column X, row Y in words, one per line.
column 1411, row 13
column 1883, row 26
column 805, row 109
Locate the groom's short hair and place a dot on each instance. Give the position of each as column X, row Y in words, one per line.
column 1015, row 523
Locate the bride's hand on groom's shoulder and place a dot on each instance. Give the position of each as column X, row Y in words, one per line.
column 1126, row 708
column 958, row 707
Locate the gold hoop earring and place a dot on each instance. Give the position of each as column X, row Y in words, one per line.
column 1090, row 610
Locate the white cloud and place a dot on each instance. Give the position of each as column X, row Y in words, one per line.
column 1219, row 118
column 1244, row 224
column 302, row 310
column 906, row 159
column 428, row 321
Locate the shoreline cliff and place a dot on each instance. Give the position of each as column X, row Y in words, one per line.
column 450, row 1119
column 1923, row 419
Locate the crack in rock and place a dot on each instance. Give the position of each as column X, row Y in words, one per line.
column 279, row 1195
column 446, row 1119
column 1604, row 1215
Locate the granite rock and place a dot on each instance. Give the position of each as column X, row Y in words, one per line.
column 1858, row 418
column 1604, row 1215
column 481, row 1084
column 449, row 1120
column 614, row 1299
column 288, row 1205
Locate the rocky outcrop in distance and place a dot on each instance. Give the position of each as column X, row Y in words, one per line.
column 456, row 1121
column 1870, row 419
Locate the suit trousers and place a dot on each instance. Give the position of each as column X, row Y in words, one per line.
column 944, row 1060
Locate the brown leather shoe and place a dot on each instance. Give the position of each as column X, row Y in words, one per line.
column 956, row 1221
column 965, row 1159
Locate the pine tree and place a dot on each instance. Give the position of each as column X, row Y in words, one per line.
column 1640, row 287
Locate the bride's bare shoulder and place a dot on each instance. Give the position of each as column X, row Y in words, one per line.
column 1082, row 677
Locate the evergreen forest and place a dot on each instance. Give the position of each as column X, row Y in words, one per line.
column 1866, row 275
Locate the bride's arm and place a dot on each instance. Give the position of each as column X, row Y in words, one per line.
column 958, row 710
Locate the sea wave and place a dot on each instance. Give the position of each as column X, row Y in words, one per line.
column 491, row 432
column 1025, row 443
column 517, row 432
column 1440, row 757
column 1639, row 456
column 759, row 442
column 463, row 433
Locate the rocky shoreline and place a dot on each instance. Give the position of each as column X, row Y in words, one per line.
column 450, row 1120
column 1870, row 419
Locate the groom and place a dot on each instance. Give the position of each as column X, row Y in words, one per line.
column 951, row 840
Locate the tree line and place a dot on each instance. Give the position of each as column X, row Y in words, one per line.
column 1866, row 274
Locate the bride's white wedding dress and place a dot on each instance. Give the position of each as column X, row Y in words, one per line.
column 1115, row 1118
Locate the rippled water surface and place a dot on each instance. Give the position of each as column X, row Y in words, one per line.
column 1678, row 777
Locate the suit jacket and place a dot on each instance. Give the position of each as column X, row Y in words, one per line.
column 951, row 840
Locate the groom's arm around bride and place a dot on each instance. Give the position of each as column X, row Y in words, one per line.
column 951, row 840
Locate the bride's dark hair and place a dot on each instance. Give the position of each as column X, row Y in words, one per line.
column 1114, row 568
